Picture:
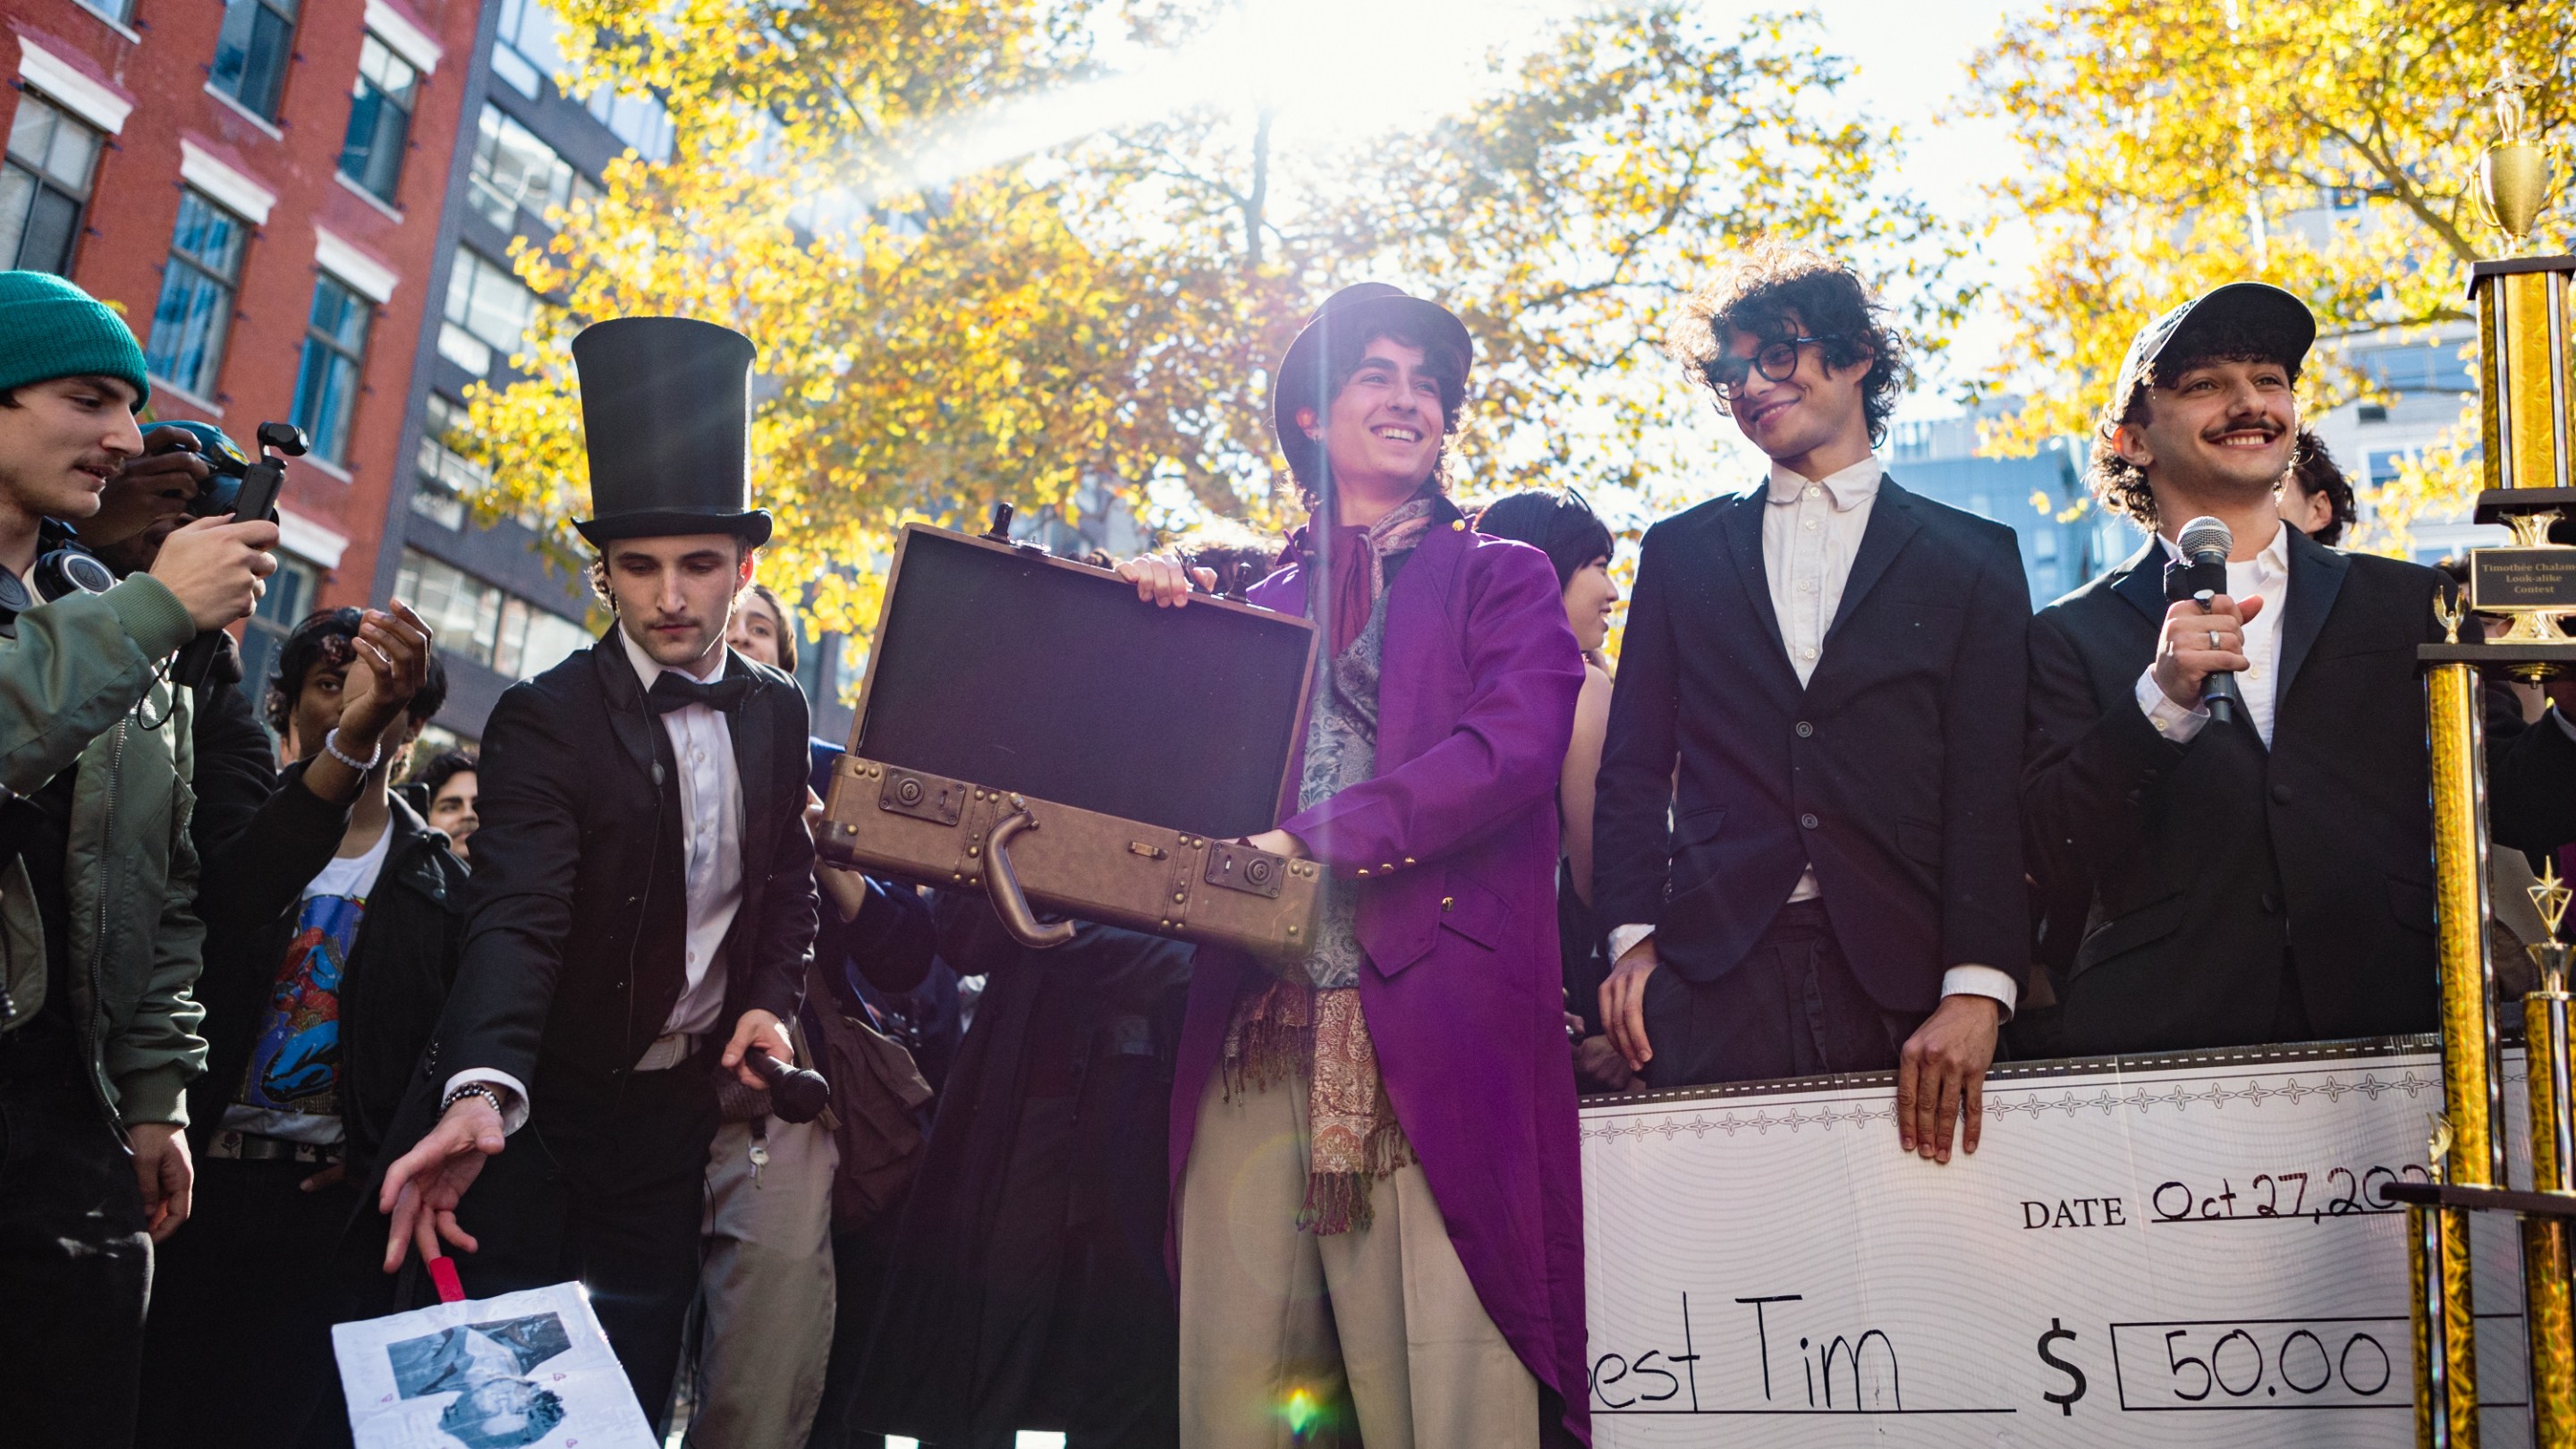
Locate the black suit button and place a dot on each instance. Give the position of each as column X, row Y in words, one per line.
column 1806, row 730
column 620, row 986
column 2280, row 794
column 1809, row 821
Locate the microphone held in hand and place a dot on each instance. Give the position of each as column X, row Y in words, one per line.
column 2201, row 574
column 795, row 1095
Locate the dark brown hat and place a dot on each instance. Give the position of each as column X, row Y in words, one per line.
column 1365, row 308
column 666, row 413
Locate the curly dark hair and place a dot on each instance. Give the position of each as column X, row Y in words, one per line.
column 1239, row 557
column 1344, row 351
column 326, row 637
column 442, row 767
column 2117, row 483
column 2317, row 475
column 1775, row 292
column 1560, row 525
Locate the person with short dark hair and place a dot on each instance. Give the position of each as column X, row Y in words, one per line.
column 98, row 1021
column 643, row 905
column 1577, row 543
column 1820, row 689
column 448, row 788
column 1374, row 1159
column 329, row 948
column 2262, row 877
column 2316, row 499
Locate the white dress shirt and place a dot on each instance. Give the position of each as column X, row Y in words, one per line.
column 2266, row 574
column 711, row 839
column 1811, row 532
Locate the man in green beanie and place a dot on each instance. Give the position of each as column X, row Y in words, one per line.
column 98, row 948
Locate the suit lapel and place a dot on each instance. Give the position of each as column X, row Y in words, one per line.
column 1742, row 526
column 754, row 732
column 1891, row 524
column 2142, row 580
column 2316, row 576
column 628, row 719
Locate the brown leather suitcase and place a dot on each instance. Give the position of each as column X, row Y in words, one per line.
column 1030, row 727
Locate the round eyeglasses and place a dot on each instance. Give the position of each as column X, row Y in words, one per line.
column 1776, row 361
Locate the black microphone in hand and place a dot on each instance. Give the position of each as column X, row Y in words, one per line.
column 795, row 1095
column 2201, row 574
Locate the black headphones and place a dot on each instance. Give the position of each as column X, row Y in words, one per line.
column 63, row 568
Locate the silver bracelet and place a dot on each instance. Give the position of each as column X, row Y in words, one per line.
column 484, row 1090
column 331, row 747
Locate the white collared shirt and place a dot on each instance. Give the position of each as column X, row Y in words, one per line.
column 2266, row 574
column 711, row 840
column 1811, row 533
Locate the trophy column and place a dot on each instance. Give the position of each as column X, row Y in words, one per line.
column 2524, row 385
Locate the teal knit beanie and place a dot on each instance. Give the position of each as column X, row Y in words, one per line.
column 50, row 328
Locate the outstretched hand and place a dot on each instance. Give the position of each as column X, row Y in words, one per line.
column 424, row 1185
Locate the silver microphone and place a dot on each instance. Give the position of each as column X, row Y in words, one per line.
column 2206, row 543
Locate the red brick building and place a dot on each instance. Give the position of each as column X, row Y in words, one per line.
column 258, row 185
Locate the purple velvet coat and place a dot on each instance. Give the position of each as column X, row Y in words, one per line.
column 1453, row 847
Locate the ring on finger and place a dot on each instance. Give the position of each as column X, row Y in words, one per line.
column 2213, row 640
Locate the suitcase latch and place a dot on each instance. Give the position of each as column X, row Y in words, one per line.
column 1242, row 868
column 923, row 797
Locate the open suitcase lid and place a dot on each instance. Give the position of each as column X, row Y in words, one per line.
column 1005, row 666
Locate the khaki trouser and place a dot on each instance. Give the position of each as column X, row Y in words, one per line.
column 767, row 1286
column 1274, row 1321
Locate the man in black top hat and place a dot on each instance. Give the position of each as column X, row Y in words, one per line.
column 643, row 886
column 2254, row 874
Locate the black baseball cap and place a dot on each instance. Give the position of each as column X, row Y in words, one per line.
column 2277, row 324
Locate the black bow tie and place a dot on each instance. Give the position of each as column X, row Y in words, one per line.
column 677, row 691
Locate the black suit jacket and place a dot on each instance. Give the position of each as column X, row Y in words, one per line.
column 572, row 958
column 1893, row 770
column 2531, row 791
column 2189, row 881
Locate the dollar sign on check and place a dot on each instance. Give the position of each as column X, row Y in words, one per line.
column 2065, row 1402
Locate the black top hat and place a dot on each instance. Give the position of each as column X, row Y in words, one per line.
column 666, row 410
column 1364, row 308
column 2276, row 323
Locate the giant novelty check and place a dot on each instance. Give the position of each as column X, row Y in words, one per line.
column 2178, row 1250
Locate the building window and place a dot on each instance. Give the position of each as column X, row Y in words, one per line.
column 252, row 51
column 44, row 186
column 484, row 623
column 639, row 121
column 119, row 11
column 196, row 305
column 447, row 477
column 379, row 119
column 514, row 171
column 488, row 312
column 524, row 51
column 326, row 381
column 289, row 597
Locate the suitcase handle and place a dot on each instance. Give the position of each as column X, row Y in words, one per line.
column 1002, row 883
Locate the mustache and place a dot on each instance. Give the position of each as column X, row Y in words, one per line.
column 2270, row 427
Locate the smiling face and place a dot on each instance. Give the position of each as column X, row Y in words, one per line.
column 62, row 440
column 1589, row 597
column 1812, row 421
column 1383, row 430
column 2223, row 429
column 675, row 596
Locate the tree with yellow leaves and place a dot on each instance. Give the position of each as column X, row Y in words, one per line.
column 2329, row 147
column 936, row 337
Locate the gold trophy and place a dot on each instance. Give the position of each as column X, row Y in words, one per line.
column 2524, row 383
column 2545, row 1261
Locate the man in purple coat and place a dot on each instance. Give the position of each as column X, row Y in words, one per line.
column 1378, row 1199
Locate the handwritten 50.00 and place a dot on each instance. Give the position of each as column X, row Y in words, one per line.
column 2338, row 1192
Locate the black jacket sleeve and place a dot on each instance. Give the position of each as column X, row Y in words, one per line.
column 2531, row 797
column 285, row 842
column 527, row 854
column 1632, row 804
column 236, row 772
column 2090, row 769
column 782, row 940
column 1985, row 906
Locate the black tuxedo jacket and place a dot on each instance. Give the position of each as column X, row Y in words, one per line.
column 2188, row 885
column 573, row 955
column 1893, row 770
